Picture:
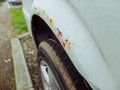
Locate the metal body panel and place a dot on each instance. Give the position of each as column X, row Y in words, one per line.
column 81, row 27
column 103, row 19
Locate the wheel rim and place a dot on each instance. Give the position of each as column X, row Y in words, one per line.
column 48, row 79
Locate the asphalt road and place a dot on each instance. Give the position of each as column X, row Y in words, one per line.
column 6, row 63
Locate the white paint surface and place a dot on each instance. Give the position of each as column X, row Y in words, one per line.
column 93, row 30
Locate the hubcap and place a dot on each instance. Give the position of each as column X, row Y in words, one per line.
column 48, row 79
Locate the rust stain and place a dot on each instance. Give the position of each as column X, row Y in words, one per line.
column 51, row 21
column 59, row 36
column 67, row 42
column 38, row 13
column 64, row 43
column 48, row 18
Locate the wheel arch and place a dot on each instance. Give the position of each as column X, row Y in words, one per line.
column 40, row 30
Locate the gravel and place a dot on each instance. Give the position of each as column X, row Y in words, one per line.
column 30, row 56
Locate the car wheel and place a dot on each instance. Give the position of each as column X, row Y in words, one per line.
column 57, row 72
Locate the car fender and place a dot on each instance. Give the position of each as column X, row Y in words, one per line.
column 68, row 26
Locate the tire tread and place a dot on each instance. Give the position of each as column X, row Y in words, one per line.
column 73, row 79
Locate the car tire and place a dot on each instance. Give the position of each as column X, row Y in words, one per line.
column 56, row 69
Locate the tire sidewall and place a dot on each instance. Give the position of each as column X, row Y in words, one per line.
column 43, row 56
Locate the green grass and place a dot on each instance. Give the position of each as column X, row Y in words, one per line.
column 0, row 3
column 18, row 20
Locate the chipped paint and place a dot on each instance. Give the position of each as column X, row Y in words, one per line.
column 38, row 13
column 64, row 43
column 59, row 36
column 51, row 21
column 67, row 43
column 47, row 18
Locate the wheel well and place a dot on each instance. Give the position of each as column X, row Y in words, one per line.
column 41, row 30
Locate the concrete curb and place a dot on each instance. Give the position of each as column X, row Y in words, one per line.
column 23, row 35
column 23, row 80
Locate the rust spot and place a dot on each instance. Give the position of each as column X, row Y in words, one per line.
column 64, row 43
column 59, row 33
column 59, row 36
column 67, row 42
column 38, row 13
column 51, row 21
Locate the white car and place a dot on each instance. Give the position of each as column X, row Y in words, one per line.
column 78, row 42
